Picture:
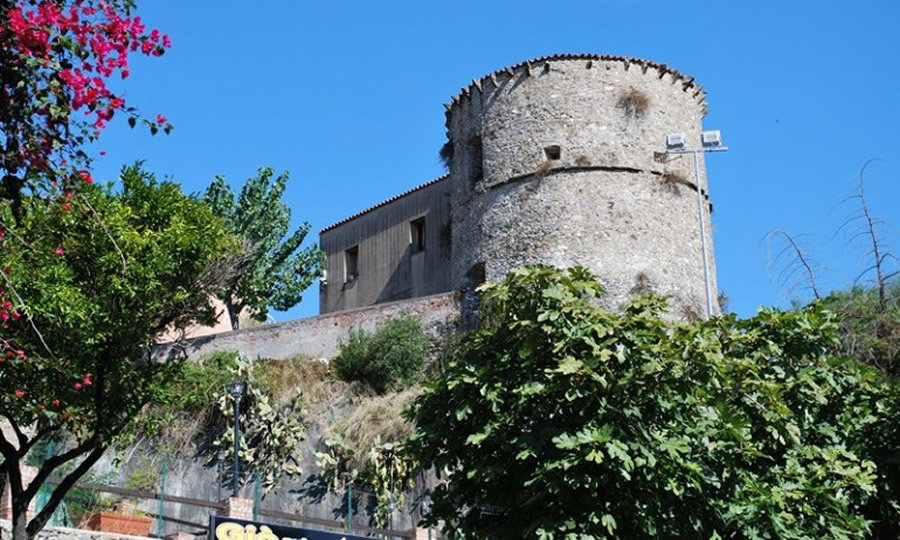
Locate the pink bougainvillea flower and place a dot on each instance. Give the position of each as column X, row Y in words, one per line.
column 60, row 251
column 56, row 403
column 20, row 393
column 160, row 119
column 77, row 386
column 102, row 152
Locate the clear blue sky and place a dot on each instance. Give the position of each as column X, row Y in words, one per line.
column 348, row 96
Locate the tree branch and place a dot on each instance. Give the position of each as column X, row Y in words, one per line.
column 38, row 522
column 23, row 440
column 799, row 257
column 879, row 271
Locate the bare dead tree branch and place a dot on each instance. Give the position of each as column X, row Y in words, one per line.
column 876, row 247
column 800, row 259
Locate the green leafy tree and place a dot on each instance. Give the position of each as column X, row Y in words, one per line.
column 558, row 420
column 96, row 279
column 278, row 271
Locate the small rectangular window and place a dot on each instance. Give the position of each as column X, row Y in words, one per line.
column 553, row 152
column 351, row 263
column 417, row 234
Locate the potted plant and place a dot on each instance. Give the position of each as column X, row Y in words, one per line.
column 125, row 520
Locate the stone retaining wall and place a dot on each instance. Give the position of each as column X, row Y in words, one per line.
column 62, row 533
column 319, row 337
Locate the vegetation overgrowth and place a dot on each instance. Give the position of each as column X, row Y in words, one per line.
column 390, row 358
column 57, row 61
column 558, row 420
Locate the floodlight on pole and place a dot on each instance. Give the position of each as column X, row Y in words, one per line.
column 237, row 391
column 710, row 141
column 675, row 141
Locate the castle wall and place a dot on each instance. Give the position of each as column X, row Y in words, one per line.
column 318, row 337
column 392, row 265
column 559, row 162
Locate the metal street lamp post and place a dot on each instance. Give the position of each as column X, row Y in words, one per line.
column 236, row 391
column 220, row 470
column 710, row 141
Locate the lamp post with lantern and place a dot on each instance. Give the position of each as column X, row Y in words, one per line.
column 237, row 391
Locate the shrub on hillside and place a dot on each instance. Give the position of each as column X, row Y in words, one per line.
column 390, row 358
column 869, row 332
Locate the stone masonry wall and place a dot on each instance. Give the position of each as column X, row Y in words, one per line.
column 318, row 337
column 62, row 533
column 559, row 161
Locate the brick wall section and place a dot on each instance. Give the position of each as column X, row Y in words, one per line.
column 423, row 534
column 236, row 507
column 318, row 337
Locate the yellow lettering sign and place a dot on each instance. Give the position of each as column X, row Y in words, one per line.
column 233, row 531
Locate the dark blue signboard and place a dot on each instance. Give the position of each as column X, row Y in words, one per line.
column 226, row 528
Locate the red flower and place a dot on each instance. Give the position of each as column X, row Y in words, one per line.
column 20, row 393
column 56, row 403
column 77, row 386
column 160, row 119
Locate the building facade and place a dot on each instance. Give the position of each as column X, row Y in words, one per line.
column 558, row 160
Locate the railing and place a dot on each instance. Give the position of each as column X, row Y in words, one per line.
column 276, row 515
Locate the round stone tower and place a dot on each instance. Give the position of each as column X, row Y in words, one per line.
column 561, row 160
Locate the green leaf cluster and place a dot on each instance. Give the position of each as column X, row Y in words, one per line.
column 277, row 271
column 99, row 281
column 557, row 419
column 390, row 358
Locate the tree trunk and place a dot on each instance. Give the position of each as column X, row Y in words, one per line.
column 19, row 522
column 234, row 313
